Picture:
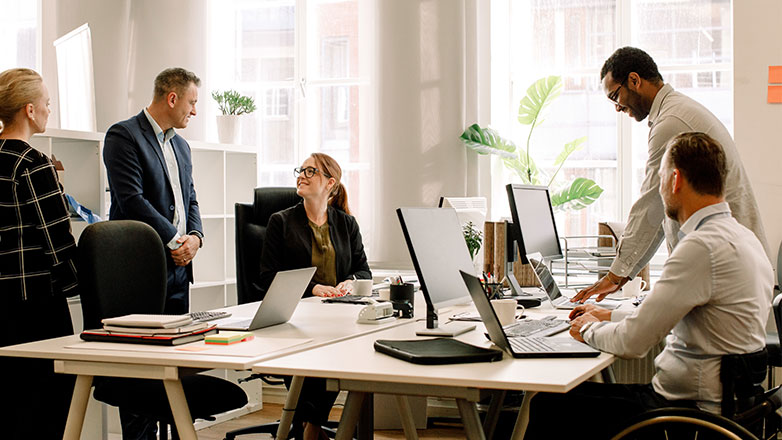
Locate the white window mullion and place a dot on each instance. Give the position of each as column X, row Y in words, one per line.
column 301, row 87
column 624, row 129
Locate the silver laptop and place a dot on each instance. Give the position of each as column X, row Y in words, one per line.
column 554, row 293
column 278, row 305
column 520, row 346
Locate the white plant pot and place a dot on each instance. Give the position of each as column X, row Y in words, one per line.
column 228, row 127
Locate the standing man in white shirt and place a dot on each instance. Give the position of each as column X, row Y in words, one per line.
column 712, row 299
column 150, row 177
column 634, row 85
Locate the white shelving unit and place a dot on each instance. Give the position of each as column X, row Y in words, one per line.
column 223, row 175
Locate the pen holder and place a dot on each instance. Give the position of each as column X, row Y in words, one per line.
column 493, row 290
column 402, row 299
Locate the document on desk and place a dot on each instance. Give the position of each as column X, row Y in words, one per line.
column 256, row 347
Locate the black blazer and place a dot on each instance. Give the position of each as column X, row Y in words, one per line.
column 138, row 179
column 288, row 245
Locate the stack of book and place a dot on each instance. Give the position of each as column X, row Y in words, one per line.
column 150, row 329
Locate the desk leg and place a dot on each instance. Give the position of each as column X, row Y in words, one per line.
column 350, row 414
column 81, row 396
column 523, row 419
column 406, row 415
column 366, row 419
column 180, row 410
column 291, row 400
column 472, row 423
column 493, row 414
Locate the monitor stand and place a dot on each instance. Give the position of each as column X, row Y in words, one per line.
column 450, row 328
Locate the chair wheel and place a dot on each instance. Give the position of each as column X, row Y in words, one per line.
column 683, row 423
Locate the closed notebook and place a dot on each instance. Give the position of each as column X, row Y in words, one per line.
column 151, row 321
column 157, row 331
column 437, row 351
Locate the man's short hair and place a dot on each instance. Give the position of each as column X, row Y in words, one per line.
column 175, row 79
column 630, row 59
column 701, row 160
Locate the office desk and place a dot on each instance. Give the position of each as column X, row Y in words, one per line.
column 312, row 325
column 353, row 365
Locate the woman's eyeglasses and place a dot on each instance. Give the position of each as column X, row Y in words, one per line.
column 307, row 171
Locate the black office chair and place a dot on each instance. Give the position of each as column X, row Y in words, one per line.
column 251, row 221
column 748, row 412
column 772, row 339
column 122, row 270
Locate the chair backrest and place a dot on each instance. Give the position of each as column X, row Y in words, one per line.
column 251, row 221
column 122, row 270
column 742, row 377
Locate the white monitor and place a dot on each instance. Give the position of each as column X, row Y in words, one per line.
column 438, row 250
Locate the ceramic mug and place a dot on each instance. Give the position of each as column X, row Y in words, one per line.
column 633, row 288
column 362, row 287
column 505, row 310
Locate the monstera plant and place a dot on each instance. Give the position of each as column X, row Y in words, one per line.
column 577, row 194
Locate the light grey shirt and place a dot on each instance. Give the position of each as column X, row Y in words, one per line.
column 713, row 298
column 671, row 114
column 164, row 140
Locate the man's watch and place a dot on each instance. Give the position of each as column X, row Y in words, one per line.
column 609, row 276
column 200, row 238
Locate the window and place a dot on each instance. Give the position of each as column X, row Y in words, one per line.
column 18, row 25
column 306, row 63
column 690, row 41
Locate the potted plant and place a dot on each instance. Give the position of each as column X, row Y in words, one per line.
column 578, row 193
column 231, row 105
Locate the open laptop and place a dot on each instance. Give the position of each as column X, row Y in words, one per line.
column 278, row 305
column 554, row 293
column 521, row 347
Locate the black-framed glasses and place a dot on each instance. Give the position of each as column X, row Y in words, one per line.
column 614, row 96
column 307, row 171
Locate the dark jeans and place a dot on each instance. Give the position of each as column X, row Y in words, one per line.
column 33, row 391
column 314, row 403
column 136, row 427
column 592, row 410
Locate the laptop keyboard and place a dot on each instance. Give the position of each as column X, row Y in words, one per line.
column 537, row 327
column 529, row 345
column 208, row 316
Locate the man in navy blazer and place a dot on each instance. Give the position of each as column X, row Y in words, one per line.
column 150, row 177
column 151, row 180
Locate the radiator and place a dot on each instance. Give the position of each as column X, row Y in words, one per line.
column 637, row 370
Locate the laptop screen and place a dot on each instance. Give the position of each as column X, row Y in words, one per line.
column 489, row 318
column 544, row 276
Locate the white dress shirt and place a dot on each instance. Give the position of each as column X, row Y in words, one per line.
column 713, row 298
column 673, row 113
column 164, row 140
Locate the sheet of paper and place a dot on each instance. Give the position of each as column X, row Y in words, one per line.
column 256, row 347
column 774, row 94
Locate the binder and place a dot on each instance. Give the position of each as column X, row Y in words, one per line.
column 437, row 351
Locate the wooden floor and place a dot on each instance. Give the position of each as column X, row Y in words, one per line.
column 271, row 413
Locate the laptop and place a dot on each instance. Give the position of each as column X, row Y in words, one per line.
column 554, row 293
column 519, row 346
column 278, row 305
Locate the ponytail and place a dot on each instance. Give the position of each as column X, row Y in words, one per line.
column 339, row 198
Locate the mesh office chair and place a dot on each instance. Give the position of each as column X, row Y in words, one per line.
column 122, row 270
column 772, row 339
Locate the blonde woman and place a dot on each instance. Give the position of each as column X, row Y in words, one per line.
column 37, row 269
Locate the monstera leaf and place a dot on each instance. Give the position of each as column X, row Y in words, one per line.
column 487, row 141
column 581, row 193
column 570, row 148
column 539, row 95
column 527, row 170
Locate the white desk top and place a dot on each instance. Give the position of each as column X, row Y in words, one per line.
column 313, row 324
column 356, row 359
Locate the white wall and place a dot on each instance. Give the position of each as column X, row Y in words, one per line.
column 757, row 44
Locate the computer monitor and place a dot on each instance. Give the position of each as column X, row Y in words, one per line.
column 438, row 250
column 533, row 227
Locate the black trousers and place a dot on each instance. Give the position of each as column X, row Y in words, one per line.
column 314, row 403
column 32, row 391
column 592, row 410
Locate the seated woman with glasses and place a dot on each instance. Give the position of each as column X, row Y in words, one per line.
column 319, row 231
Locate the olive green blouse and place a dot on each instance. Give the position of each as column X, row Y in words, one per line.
column 323, row 256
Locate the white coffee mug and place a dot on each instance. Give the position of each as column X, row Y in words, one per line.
column 633, row 288
column 362, row 287
column 505, row 310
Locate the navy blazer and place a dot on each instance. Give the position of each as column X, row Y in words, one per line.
column 139, row 183
column 288, row 245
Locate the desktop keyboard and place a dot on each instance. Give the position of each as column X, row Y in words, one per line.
column 537, row 327
column 208, row 316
